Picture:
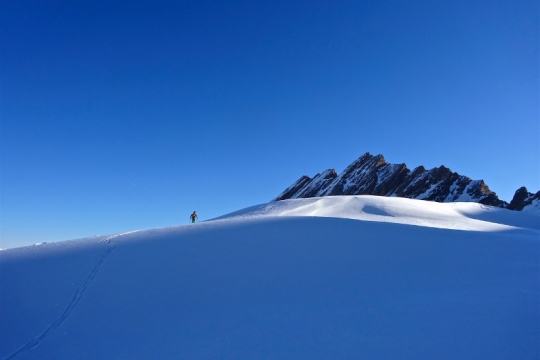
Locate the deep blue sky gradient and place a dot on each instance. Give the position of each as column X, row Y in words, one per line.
column 123, row 115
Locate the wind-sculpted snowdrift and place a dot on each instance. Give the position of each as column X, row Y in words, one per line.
column 358, row 277
column 457, row 216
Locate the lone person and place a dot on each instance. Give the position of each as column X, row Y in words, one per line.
column 193, row 217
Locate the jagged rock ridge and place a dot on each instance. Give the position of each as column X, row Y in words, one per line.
column 372, row 175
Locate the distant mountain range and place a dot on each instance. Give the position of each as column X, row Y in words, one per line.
column 372, row 175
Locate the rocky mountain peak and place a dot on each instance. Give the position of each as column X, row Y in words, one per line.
column 372, row 175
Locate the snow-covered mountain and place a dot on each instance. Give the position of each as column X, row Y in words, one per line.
column 342, row 277
column 372, row 175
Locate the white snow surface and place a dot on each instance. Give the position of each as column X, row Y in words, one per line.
column 533, row 207
column 456, row 216
column 345, row 277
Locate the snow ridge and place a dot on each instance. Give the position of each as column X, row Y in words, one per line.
column 454, row 216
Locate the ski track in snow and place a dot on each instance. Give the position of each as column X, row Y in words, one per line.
column 72, row 304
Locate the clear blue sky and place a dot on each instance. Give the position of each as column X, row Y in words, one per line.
column 124, row 115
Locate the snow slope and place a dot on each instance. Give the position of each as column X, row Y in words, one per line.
column 349, row 277
column 456, row 216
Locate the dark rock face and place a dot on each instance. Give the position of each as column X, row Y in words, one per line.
column 295, row 188
column 524, row 199
column 372, row 175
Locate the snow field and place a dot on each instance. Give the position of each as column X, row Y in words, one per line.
column 344, row 277
column 457, row 216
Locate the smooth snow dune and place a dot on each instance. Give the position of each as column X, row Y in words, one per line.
column 457, row 216
column 279, row 287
